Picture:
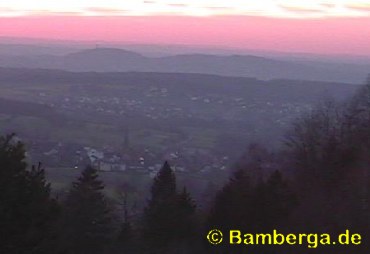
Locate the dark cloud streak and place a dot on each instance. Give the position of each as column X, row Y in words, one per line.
column 106, row 11
column 301, row 10
column 359, row 7
column 178, row 5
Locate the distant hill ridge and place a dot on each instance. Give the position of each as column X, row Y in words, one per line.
column 120, row 60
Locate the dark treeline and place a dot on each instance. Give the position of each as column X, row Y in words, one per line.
column 318, row 182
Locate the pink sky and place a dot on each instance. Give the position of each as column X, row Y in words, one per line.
column 335, row 35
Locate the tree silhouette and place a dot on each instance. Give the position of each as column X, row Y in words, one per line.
column 86, row 221
column 27, row 212
column 168, row 218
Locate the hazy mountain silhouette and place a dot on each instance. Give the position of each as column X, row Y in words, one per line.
column 119, row 60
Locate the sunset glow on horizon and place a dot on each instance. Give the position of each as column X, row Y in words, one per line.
column 315, row 26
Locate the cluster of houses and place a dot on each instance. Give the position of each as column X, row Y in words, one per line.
column 144, row 161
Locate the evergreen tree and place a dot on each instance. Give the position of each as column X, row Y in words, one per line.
column 232, row 203
column 168, row 218
column 185, row 211
column 27, row 213
column 164, row 186
column 86, row 222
